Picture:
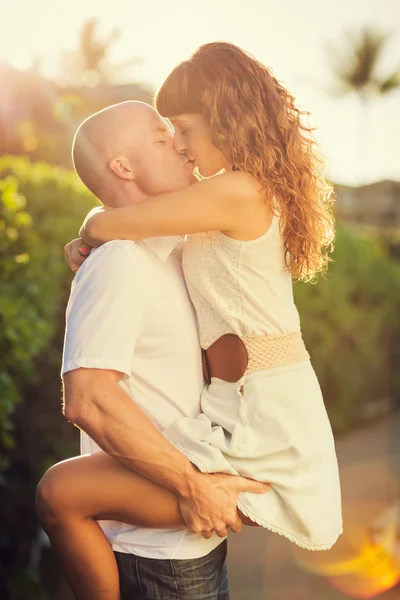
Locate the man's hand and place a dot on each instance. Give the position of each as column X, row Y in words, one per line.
column 76, row 252
column 211, row 503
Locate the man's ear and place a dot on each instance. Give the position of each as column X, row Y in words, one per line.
column 122, row 167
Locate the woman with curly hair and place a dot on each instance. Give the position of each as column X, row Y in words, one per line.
column 263, row 221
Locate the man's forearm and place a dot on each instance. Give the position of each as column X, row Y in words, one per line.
column 125, row 432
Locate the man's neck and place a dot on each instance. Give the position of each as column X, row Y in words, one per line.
column 124, row 197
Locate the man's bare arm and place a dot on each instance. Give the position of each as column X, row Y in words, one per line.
column 97, row 404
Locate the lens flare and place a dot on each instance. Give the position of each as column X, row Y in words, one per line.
column 366, row 560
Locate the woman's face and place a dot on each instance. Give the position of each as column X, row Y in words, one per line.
column 193, row 138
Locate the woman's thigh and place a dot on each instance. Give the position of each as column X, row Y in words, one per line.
column 99, row 486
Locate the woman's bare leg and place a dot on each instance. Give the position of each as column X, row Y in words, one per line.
column 74, row 493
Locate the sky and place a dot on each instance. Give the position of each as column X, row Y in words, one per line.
column 289, row 36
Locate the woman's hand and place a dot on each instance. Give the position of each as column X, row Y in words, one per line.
column 75, row 253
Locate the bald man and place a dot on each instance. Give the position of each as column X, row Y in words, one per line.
column 129, row 313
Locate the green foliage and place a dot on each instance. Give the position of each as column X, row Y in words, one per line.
column 14, row 221
column 40, row 209
column 350, row 320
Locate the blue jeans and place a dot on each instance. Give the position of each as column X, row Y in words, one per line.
column 202, row 578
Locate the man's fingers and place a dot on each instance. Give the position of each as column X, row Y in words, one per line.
column 237, row 526
column 222, row 532
column 256, row 487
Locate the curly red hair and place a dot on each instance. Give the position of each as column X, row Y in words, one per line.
column 255, row 123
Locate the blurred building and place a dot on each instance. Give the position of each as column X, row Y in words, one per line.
column 375, row 204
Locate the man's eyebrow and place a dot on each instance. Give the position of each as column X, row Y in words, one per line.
column 162, row 129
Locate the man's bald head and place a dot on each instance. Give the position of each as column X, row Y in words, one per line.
column 125, row 153
column 111, row 132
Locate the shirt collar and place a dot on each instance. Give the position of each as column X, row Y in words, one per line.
column 163, row 246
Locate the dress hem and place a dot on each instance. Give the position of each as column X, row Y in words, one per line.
column 262, row 522
column 286, row 534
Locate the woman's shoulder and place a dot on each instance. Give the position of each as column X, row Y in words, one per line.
column 237, row 190
column 239, row 181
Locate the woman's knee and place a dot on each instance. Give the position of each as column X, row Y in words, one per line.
column 50, row 498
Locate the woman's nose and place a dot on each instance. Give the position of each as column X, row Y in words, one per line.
column 179, row 145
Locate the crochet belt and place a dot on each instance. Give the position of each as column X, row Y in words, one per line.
column 230, row 356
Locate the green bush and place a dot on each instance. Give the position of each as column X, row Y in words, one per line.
column 41, row 208
column 350, row 321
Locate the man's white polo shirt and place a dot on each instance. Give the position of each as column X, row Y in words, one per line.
column 129, row 311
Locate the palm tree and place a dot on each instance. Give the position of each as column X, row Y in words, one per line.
column 356, row 66
column 90, row 63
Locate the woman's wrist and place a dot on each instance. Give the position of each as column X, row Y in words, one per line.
column 86, row 232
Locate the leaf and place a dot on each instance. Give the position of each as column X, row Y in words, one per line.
column 392, row 82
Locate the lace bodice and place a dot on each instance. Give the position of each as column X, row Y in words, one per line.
column 240, row 287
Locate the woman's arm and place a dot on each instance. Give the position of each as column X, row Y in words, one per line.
column 221, row 203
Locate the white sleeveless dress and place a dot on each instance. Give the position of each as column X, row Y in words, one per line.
column 270, row 425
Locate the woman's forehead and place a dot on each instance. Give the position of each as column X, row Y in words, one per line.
column 184, row 118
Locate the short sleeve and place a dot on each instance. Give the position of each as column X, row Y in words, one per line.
column 106, row 310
